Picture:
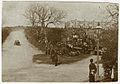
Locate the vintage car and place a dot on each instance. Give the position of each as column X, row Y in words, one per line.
column 17, row 42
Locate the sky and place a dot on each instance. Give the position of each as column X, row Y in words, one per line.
column 13, row 11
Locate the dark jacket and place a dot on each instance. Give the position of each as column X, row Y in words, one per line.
column 92, row 67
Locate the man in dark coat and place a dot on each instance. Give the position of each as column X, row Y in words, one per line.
column 56, row 58
column 52, row 52
column 92, row 71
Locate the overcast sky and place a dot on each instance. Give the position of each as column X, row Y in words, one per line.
column 13, row 11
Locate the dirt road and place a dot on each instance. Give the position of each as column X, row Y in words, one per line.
column 16, row 57
column 17, row 64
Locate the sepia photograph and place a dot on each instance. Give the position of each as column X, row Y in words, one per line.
column 59, row 41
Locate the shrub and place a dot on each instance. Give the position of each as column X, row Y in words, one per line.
column 5, row 32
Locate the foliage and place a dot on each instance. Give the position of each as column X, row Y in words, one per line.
column 54, row 35
column 5, row 32
column 58, row 35
column 110, row 41
column 110, row 36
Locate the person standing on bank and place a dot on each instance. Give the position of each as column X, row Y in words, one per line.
column 92, row 71
column 56, row 57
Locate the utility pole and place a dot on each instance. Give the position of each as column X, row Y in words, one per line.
column 98, row 28
column 97, row 75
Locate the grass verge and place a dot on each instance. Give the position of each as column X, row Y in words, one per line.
column 64, row 59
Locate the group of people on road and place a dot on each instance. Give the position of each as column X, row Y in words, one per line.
column 93, row 70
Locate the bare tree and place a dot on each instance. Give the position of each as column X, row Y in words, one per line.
column 113, row 12
column 44, row 15
column 31, row 15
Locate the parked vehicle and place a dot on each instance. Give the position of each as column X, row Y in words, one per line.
column 17, row 42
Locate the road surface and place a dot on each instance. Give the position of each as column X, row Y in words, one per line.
column 18, row 67
column 16, row 57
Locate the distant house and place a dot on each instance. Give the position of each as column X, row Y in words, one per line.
column 83, row 24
